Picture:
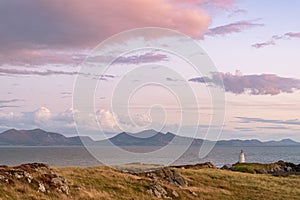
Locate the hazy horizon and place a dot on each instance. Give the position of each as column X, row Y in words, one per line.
column 113, row 134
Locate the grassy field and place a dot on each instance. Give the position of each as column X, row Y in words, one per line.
column 107, row 183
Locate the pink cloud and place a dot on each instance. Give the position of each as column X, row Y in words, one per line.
column 263, row 44
column 48, row 72
column 235, row 27
column 85, row 23
column 28, row 28
column 274, row 38
column 34, row 72
column 143, row 58
column 263, row 84
column 293, row 35
column 31, row 29
column 223, row 3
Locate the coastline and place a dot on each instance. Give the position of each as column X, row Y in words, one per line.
column 79, row 156
column 39, row 181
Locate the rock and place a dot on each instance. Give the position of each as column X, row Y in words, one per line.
column 4, row 179
column 28, row 177
column 227, row 167
column 58, row 181
column 65, row 189
column 277, row 168
column 37, row 175
column 19, row 175
column 42, row 188
column 159, row 191
column 193, row 193
column 160, row 177
column 264, row 171
column 150, row 191
column 168, row 175
column 297, row 168
column 282, row 167
column 60, row 184
column 198, row 166
column 175, row 194
column 157, row 194
column 288, row 169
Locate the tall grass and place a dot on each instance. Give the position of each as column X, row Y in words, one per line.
column 106, row 183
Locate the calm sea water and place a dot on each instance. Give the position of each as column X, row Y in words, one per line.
column 79, row 156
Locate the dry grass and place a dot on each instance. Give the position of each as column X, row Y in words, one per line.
column 220, row 184
column 106, row 183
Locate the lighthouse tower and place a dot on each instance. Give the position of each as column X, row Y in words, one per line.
column 242, row 157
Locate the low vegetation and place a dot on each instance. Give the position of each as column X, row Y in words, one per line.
column 277, row 168
column 207, row 183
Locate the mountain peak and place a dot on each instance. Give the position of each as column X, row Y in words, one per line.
column 37, row 130
column 287, row 140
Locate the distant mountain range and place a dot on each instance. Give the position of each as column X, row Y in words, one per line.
column 39, row 137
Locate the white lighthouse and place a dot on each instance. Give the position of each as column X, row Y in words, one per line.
column 242, row 157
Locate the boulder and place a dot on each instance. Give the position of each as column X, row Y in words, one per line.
column 42, row 188
column 168, row 175
column 227, row 167
column 175, row 194
column 158, row 191
column 60, row 184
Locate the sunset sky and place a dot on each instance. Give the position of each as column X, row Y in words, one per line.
column 254, row 45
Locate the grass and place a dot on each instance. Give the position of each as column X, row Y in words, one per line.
column 106, row 183
column 219, row 184
column 253, row 167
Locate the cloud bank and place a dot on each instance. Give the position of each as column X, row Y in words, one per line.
column 31, row 30
column 56, row 23
column 263, row 84
column 64, row 122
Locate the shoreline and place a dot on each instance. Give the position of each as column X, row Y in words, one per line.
column 203, row 180
column 79, row 156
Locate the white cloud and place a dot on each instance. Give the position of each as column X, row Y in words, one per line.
column 107, row 120
column 39, row 118
column 42, row 115
column 63, row 122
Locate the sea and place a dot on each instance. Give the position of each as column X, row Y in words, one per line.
column 80, row 156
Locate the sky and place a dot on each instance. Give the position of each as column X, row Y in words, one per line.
column 252, row 45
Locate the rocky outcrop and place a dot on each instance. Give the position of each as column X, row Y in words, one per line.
column 198, row 166
column 167, row 175
column 282, row 167
column 277, row 168
column 36, row 175
column 161, row 177
column 227, row 167
column 158, row 190
column 164, row 179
